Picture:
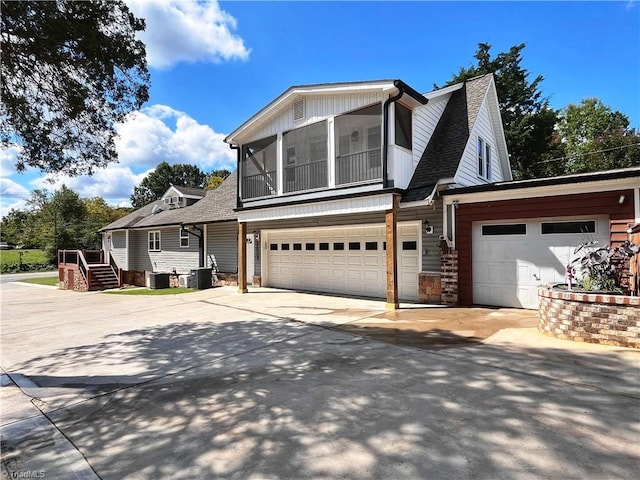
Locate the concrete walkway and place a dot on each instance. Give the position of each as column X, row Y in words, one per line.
column 276, row 384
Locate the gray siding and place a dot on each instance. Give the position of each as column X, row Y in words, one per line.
column 430, row 242
column 222, row 246
column 170, row 256
column 119, row 248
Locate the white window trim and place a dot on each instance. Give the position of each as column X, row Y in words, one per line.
column 483, row 159
column 154, row 241
column 182, row 237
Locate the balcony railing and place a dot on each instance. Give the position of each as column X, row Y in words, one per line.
column 358, row 167
column 259, row 185
column 305, row 177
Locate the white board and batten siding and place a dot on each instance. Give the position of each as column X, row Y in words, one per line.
column 467, row 173
column 316, row 108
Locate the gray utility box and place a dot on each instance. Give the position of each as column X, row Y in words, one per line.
column 200, row 278
column 158, row 280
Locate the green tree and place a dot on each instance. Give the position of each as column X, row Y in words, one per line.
column 64, row 218
column 597, row 138
column 70, row 72
column 527, row 118
column 216, row 177
column 14, row 227
column 157, row 182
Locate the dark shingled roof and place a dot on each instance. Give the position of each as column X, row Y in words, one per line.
column 216, row 206
column 446, row 146
column 195, row 192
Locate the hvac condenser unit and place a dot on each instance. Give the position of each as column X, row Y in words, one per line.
column 184, row 281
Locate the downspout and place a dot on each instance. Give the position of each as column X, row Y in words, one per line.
column 237, row 148
column 200, row 242
column 200, row 246
column 385, row 136
column 402, row 89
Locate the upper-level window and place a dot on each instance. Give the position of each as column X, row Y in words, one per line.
column 403, row 126
column 154, row 241
column 184, row 237
column 484, row 159
column 259, row 168
column 305, row 155
column 359, row 145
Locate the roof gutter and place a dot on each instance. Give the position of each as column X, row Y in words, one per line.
column 403, row 89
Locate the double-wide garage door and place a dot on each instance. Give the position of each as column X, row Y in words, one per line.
column 511, row 258
column 349, row 260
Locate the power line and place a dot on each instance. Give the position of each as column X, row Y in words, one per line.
column 591, row 153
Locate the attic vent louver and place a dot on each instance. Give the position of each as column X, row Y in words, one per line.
column 298, row 110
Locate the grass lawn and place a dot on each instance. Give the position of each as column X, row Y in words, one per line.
column 147, row 291
column 13, row 261
column 51, row 281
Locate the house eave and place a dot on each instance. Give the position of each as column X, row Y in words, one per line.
column 566, row 184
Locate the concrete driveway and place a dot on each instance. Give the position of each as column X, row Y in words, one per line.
column 275, row 384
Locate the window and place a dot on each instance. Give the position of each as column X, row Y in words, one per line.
column 412, row 245
column 338, row 246
column 259, row 168
column 273, row 246
column 184, row 238
column 310, row 246
column 358, row 145
column 284, row 246
column 324, row 246
column 505, row 229
column 305, row 152
column 297, row 246
column 154, row 241
column 587, row 226
column 354, row 245
column 371, row 246
column 484, row 159
column 403, row 126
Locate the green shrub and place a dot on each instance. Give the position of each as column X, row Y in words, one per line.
column 14, row 261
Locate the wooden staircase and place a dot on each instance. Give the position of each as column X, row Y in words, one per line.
column 102, row 277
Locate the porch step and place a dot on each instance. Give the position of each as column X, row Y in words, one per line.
column 102, row 277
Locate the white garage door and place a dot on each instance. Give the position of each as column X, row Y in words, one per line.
column 511, row 258
column 341, row 260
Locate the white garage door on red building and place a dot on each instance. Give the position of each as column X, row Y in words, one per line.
column 343, row 260
column 510, row 258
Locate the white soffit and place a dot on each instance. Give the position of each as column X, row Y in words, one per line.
column 545, row 191
column 346, row 206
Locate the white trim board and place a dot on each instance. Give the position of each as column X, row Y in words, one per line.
column 374, row 203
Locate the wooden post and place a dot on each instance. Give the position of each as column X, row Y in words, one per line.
column 392, row 264
column 242, row 257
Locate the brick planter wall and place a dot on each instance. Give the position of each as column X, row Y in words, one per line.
column 449, row 278
column 591, row 318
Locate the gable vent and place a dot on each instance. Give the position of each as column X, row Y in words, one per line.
column 298, row 110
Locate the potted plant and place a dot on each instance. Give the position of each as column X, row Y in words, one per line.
column 601, row 266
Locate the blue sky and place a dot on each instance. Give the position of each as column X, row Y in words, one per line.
column 213, row 65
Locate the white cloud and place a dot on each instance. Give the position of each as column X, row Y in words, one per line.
column 12, row 195
column 8, row 157
column 187, row 31
column 155, row 134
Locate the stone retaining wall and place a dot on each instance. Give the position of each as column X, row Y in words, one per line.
column 589, row 317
